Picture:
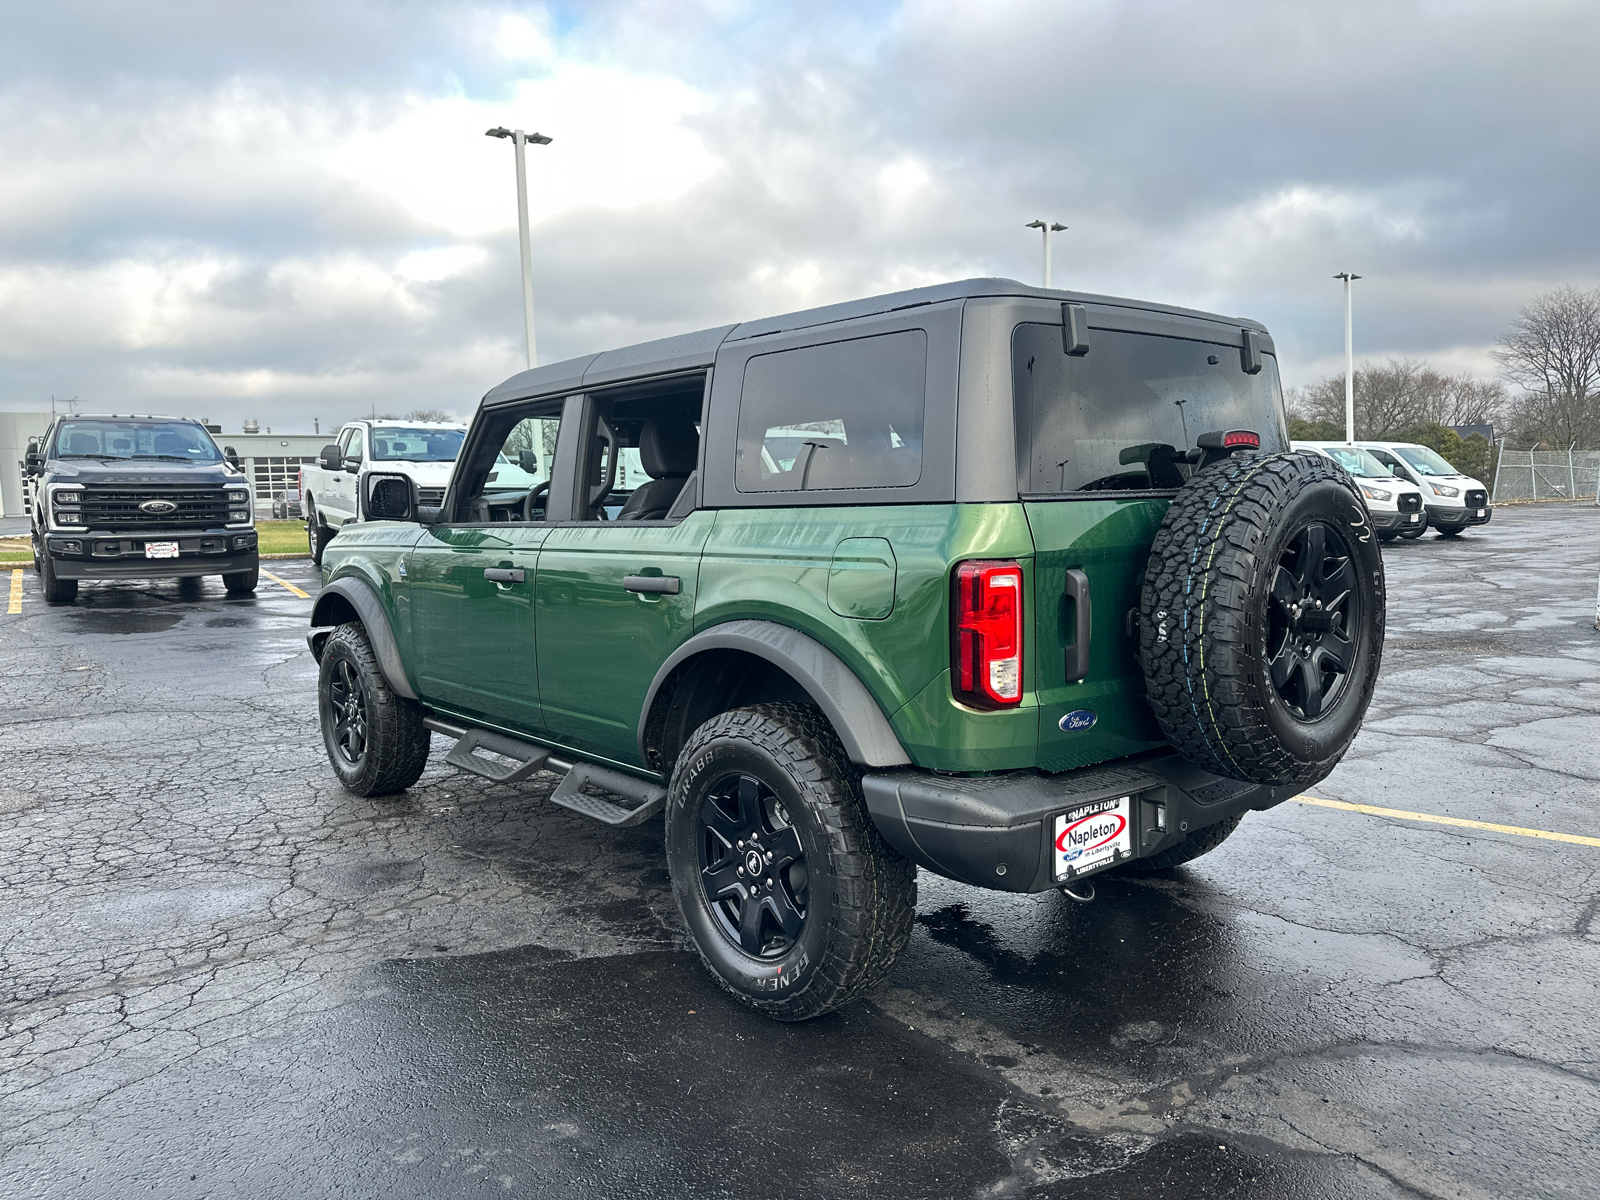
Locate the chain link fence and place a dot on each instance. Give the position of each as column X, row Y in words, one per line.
column 1546, row 475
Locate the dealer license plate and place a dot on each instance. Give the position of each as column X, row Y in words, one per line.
column 1479, row 513
column 1414, row 517
column 161, row 549
column 1093, row 836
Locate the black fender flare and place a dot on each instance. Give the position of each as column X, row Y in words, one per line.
column 361, row 597
column 868, row 738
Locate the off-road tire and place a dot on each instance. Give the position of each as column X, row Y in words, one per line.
column 862, row 893
column 56, row 591
column 318, row 535
column 395, row 746
column 1201, row 841
column 1224, row 605
column 242, row 583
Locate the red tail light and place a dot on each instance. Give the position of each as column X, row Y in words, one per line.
column 1241, row 437
column 986, row 643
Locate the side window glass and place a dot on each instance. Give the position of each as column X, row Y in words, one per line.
column 356, row 450
column 844, row 415
column 518, row 483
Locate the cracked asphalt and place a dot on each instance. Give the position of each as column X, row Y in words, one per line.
column 220, row 975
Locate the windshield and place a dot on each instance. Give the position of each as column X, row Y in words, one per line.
column 1357, row 461
column 1121, row 417
column 180, row 441
column 1425, row 461
column 392, row 443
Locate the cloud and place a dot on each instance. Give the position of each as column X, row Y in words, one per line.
column 295, row 206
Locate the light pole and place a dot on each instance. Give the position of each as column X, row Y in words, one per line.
column 1045, row 230
column 520, row 139
column 1349, row 361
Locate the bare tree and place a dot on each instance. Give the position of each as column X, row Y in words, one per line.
column 430, row 414
column 1552, row 352
column 1397, row 397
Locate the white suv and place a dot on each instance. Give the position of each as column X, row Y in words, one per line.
column 1397, row 507
column 1454, row 500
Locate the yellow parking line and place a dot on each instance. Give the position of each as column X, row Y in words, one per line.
column 1401, row 814
column 16, row 593
column 287, row 584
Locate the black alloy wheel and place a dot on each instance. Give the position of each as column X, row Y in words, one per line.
column 752, row 867
column 349, row 710
column 1313, row 620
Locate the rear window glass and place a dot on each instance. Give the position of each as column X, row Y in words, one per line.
column 844, row 415
column 1118, row 417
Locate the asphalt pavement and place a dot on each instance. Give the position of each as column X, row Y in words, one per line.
column 222, row 976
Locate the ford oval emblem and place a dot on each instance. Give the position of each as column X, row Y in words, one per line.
column 158, row 507
column 1077, row 722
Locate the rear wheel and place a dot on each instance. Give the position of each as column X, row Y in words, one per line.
column 794, row 901
column 374, row 738
column 56, row 591
column 1201, row 841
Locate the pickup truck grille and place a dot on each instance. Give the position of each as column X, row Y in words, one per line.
column 118, row 508
column 430, row 497
column 1410, row 502
column 1477, row 498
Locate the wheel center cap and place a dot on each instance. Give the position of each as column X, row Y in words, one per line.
column 753, row 862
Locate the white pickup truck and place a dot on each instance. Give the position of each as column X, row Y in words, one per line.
column 330, row 490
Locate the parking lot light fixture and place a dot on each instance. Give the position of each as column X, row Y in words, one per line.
column 1046, row 229
column 519, row 139
column 1349, row 362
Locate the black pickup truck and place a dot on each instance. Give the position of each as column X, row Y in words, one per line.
column 138, row 498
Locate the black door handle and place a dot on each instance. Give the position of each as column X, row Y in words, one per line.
column 1078, row 653
column 665, row 585
column 503, row 574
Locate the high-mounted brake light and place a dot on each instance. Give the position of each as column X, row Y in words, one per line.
column 986, row 629
column 1241, row 437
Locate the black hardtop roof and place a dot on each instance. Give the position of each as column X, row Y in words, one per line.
column 691, row 351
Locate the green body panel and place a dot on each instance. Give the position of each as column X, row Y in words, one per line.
column 373, row 552
column 1109, row 541
column 472, row 645
column 861, row 579
column 774, row 564
column 599, row 646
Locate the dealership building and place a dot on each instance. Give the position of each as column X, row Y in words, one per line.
column 271, row 461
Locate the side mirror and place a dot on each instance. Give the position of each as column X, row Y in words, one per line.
column 528, row 461
column 1397, row 471
column 232, row 456
column 330, row 459
column 390, row 497
column 33, row 459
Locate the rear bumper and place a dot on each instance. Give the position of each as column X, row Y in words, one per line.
column 995, row 832
column 122, row 555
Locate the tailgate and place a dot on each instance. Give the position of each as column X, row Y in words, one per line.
column 1108, row 540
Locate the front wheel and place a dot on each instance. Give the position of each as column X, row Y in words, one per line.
column 794, row 901
column 56, row 591
column 374, row 738
column 242, row 583
column 1449, row 532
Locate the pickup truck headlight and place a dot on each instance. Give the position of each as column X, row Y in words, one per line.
column 1440, row 490
column 238, row 505
column 1378, row 494
column 67, row 507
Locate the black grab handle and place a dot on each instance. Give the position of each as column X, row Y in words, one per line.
column 665, row 585
column 503, row 574
column 1078, row 653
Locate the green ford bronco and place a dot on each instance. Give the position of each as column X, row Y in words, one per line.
column 1011, row 585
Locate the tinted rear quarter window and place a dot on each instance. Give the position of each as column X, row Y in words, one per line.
column 843, row 415
column 1115, row 418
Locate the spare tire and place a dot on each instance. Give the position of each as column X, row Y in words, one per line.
column 1261, row 618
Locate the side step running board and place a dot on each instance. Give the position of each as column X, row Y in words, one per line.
column 525, row 759
column 651, row 798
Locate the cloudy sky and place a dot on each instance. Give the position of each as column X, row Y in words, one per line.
column 289, row 210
